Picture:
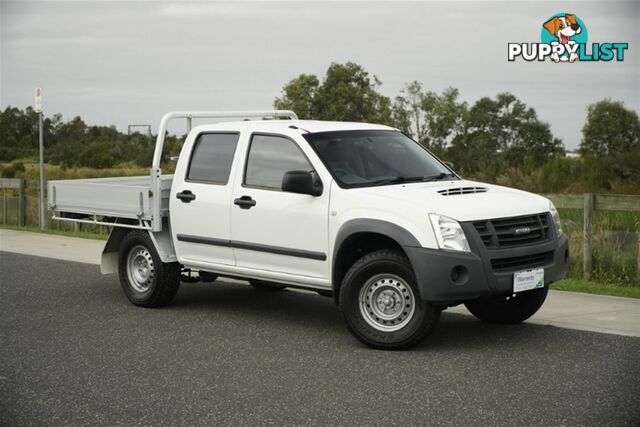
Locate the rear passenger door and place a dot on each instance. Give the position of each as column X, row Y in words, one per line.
column 200, row 196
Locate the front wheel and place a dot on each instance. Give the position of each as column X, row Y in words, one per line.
column 508, row 309
column 145, row 279
column 381, row 303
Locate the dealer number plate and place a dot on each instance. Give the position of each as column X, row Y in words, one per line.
column 528, row 279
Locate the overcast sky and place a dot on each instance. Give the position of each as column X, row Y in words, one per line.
column 129, row 62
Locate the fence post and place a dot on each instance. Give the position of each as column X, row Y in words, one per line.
column 587, row 265
column 638, row 270
column 21, row 203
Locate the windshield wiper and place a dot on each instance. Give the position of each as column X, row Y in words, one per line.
column 439, row 177
column 403, row 179
column 399, row 180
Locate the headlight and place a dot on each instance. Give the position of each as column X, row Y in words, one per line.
column 449, row 233
column 556, row 218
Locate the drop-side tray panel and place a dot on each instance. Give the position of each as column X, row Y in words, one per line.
column 122, row 197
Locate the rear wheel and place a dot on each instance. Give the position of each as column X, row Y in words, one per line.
column 145, row 279
column 266, row 286
column 508, row 309
column 381, row 303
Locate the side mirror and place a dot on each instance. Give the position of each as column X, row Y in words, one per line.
column 449, row 165
column 302, row 182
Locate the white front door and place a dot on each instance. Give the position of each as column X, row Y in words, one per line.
column 274, row 230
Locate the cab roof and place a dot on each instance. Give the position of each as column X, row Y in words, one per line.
column 311, row 126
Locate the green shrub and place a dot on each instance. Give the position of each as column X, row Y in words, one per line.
column 11, row 170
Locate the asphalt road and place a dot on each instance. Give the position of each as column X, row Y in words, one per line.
column 73, row 351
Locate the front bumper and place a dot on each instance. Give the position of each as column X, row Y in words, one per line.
column 447, row 277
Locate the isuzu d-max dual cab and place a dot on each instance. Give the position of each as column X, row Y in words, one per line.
column 359, row 212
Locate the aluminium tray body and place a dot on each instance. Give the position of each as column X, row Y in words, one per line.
column 128, row 198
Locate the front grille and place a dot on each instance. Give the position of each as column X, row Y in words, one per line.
column 522, row 262
column 514, row 231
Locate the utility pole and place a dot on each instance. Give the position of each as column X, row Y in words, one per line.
column 38, row 109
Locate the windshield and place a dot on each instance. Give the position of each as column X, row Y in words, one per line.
column 363, row 158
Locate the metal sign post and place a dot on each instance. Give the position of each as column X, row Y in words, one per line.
column 37, row 106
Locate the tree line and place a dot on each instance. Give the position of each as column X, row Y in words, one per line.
column 72, row 143
column 496, row 139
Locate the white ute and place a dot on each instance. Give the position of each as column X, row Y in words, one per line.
column 356, row 211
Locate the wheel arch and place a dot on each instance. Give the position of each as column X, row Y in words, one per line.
column 358, row 237
column 161, row 241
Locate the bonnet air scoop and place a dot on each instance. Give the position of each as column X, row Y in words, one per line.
column 456, row 191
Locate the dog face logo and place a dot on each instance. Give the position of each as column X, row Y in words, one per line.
column 566, row 29
column 563, row 27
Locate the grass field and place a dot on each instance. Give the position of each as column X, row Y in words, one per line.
column 52, row 172
column 615, row 245
column 579, row 285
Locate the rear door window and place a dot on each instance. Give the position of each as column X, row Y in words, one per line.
column 212, row 157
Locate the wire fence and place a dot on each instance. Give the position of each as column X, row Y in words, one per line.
column 20, row 208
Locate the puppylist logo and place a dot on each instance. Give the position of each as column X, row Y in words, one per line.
column 564, row 39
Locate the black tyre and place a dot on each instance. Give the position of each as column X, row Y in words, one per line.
column 381, row 303
column 508, row 309
column 145, row 279
column 263, row 286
